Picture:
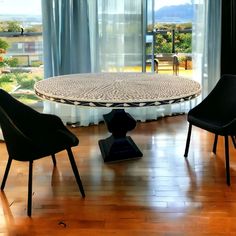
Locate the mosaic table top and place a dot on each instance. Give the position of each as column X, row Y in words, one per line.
column 118, row 89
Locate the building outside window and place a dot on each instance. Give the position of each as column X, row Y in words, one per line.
column 22, row 48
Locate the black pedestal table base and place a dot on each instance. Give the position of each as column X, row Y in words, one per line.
column 118, row 146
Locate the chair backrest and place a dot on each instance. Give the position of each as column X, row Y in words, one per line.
column 221, row 101
column 12, row 106
column 12, row 113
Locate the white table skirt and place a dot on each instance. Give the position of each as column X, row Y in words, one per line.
column 85, row 116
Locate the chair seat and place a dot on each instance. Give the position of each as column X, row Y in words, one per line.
column 210, row 124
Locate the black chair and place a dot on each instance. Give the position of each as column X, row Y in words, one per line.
column 30, row 135
column 217, row 114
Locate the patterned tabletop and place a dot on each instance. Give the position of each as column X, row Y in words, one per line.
column 117, row 89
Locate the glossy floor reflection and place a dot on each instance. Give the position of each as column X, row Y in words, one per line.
column 160, row 194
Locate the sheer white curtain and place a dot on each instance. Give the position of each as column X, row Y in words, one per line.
column 207, row 43
column 120, row 34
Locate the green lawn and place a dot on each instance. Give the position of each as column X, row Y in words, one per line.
column 21, row 85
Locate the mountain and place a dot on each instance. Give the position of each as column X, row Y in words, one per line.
column 30, row 19
column 169, row 14
column 175, row 14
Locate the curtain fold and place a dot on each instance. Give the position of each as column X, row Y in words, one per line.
column 207, row 43
column 214, row 42
column 66, row 37
column 93, row 33
column 120, row 34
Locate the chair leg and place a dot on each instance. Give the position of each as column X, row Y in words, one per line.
column 6, row 173
column 233, row 140
column 29, row 207
column 215, row 144
column 188, row 140
column 75, row 170
column 227, row 160
column 54, row 160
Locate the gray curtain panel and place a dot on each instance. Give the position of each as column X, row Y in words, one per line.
column 66, row 37
column 206, row 43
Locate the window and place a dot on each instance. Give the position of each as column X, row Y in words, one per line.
column 169, row 36
column 21, row 47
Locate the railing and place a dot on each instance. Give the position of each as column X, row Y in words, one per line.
column 151, row 52
column 19, row 34
column 27, row 47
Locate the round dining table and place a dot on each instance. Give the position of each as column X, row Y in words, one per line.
column 118, row 91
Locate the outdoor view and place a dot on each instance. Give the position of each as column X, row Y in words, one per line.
column 169, row 34
column 21, row 49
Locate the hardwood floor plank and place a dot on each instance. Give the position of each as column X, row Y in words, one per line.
column 162, row 193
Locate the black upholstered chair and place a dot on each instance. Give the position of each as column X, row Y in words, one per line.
column 217, row 114
column 30, row 135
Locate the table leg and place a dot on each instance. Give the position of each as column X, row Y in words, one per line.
column 118, row 146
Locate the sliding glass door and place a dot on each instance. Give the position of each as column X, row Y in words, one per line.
column 168, row 36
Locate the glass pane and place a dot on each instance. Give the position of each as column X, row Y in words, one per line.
column 169, row 36
column 173, row 36
column 150, row 15
column 21, row 47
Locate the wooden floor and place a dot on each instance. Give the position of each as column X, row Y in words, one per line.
column 160, row 194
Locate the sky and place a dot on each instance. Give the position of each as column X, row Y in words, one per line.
column 162, row 3
column 31, row 7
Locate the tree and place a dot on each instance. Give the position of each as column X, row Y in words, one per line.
column 13, row 26
column 163, row 43
column 3, row 45
column 183, row 41
column 6, row 61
